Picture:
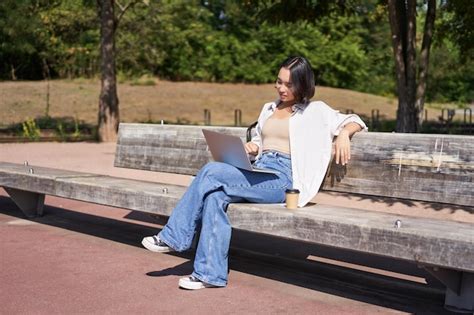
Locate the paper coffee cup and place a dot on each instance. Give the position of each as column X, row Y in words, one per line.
column 292, row 196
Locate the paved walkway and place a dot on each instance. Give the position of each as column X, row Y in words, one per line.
column 86, row 258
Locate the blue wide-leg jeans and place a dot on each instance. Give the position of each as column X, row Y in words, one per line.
column 203, row 208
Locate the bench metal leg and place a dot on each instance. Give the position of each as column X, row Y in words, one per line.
column 459, row 289
column 464, row 301
column 30, row 203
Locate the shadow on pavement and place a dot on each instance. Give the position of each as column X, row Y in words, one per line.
column 273, row 258
column 180, row 270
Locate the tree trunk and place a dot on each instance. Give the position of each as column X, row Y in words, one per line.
column 108, row 101
column 47, row 77
column 402, row 18
column 424, row 58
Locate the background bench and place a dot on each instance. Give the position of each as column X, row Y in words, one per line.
column 432, row 168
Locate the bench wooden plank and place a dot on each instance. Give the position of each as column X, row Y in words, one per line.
column 165, row 148
column 42, row 180
column 437, row 168
column 434, row 168
column 426, row 241
column 121, row 192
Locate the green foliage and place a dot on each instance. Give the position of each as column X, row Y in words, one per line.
column 20, row 45
column 66, row 128
column 451, row 76
column 77, row 131
column 457, row 23
column 30, row 130
column 70, row 30
column 62, row 34
column 143, row 81
column 347, row 42
column 378, row 50
column 192, row 45
column 60, row 131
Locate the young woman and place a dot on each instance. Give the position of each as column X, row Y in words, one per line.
column 294, row 137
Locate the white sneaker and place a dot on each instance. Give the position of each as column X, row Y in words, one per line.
column 156, row 245
column 193, row 283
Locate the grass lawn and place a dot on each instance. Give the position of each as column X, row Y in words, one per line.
column 169, row 101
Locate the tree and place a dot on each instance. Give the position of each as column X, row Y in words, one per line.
column 411, row 84
column 402, row 17
column 21, row 40
column 109, row 115
column 459, row 24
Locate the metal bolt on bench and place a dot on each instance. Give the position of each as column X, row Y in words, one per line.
column 398, row 224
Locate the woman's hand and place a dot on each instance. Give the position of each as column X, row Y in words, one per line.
column 251, row 148
column 343, row 147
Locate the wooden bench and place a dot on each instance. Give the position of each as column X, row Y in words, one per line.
column 433, row 168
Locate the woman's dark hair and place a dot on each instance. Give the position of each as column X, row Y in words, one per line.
column 302, row 78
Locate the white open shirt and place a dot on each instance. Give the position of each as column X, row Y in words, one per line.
column 312, row 128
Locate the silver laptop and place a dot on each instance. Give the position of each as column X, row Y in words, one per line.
column 230, row 149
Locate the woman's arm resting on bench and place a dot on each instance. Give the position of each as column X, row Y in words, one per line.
column 343, row 142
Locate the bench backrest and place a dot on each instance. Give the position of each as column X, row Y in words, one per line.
column 434, row 168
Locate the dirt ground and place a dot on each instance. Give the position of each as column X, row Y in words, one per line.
column 171, row 101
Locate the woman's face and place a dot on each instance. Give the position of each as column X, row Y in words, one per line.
column 284, row 87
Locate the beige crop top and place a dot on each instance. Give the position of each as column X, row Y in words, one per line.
column 276, row 135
